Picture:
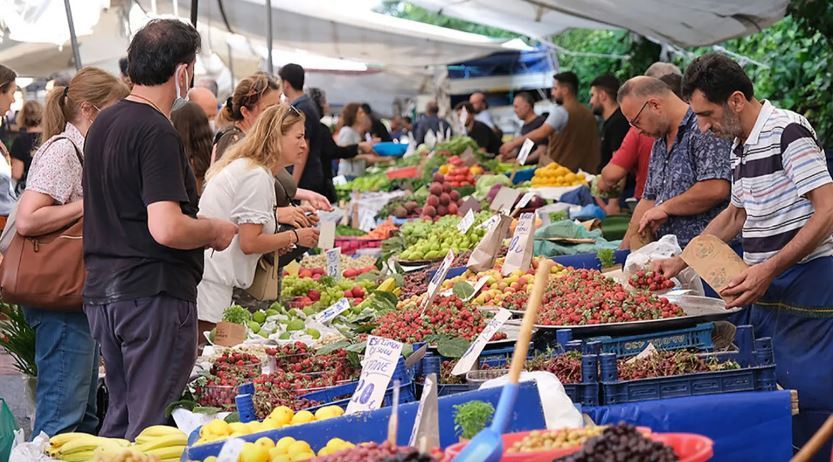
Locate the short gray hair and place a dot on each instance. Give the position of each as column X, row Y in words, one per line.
column 642, row 87
column 659, row 68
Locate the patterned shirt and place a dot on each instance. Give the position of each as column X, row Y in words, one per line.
column 55, row 169
column 780, row 162
column 695, row 156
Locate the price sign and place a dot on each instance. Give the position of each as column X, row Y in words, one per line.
column 367, row 223
column 524, row 200
column 231, row 450
column 504, row 199
column 334, row 263
column 466, row 222
column 519, row 254
column 339, row 180
column 426, row 422
column 491, row 221
column 476, row 347
column 327, row 236
column 332, row 311
column 380, row 358
column 526, row 148
column 480, row 283
column 439, row 277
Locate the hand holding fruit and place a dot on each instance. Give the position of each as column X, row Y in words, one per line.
column 669, row 267
column 293, row 216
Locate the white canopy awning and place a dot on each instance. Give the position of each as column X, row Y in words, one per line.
column 680, row 22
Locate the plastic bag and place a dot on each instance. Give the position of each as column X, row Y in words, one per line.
column 35, row 451
column 665, row 247
column 559, row 410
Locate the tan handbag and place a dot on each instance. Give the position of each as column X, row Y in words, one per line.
column 265, row 284
column 45, row 271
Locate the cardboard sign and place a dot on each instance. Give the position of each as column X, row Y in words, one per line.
column 332, row 311
column 380, row 358
column 466, row 222
column 468, row 359
column 713, row 260
column 327, row 236
column 470, row 203
column 436, row 281
column 334, row 263
column 426, row 429
column 505, row 199
column 526, row 148
column 229, row 334
column 479, row 285
column 519, row 255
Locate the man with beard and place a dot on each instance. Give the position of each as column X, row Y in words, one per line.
column 782, row 204
column 689, row 172
column 603, row 103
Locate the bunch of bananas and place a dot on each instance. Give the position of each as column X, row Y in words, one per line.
column 82, row 447
column 162, row 441
column 159, row 443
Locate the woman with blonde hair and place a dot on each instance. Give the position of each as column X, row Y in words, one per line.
column 65, row 352
column 29, row 135
column 240, row 187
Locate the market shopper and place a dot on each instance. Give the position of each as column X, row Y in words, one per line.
column 782, row 204
column 205, row 100
column 689, row 172
column 143, row 240
column 431, row 122
column 378, row 130
column 27, row 140
column 7, row 197
column 195, row 132
column 524, row 108
column 486, row 138
column 241, row 189
column 353, row 123
column 603, row 90
column 66, row 353
column 481, row 109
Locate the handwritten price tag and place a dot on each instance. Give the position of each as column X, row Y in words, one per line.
column 426, row 422
column 504, row 199
column 491, row 221
column 479, row 285
column 519, row 254
column 332, row 311
column 526, row 148
column 524, row 200
column 334, row 263
column 380, row 360
column 466, row 222
column 439, row 277
column 476, row 347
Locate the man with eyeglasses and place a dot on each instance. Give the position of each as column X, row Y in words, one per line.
column 689, row 173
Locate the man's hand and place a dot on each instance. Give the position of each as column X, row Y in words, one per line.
column 669, row 267
column 317, row 201
column 602, row 184
column 311, row 213
column 365, row 147
column 507, row 147
column 652, row 219
column 224, row 232
column 749, row 286
column 293, row 216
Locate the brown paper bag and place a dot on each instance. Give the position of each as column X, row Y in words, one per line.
column 713, row 260
column 484, row 255
column 519, row 256
column 638, row 241
column 229, row 334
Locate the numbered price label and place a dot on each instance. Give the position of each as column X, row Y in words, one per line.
column 524, row 200
column 334, row 263
column 380, row 358
column 466, row 222
column 332, row 311
column 476, row 347
column 439, row 277
column 526, row 148
column 491, row 221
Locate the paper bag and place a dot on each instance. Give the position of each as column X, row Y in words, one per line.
column 713, row 260
column 484, row 255
column 637, row 241
column 229, row 334
column 519, row 255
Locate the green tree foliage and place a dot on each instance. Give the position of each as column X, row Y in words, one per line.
column 407, row 10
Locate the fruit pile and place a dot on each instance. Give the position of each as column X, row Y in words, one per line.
column 446, row 316
column 403, row 209
column 375, row 452
column 442, row 199
column 567, row 366
column 621, row 442
column 320, row 261
column 581, row 297
column 668, row 363
column 355, row 272
column 556, row 175
column 312, row 273
column 548, row 440
column 312, row 296
column 281, row 416
column 286, row 449
column 499, row 287
column 155, row 443
column 425, row 240
column 219, row 387
column 650, row 280
column 457, row 174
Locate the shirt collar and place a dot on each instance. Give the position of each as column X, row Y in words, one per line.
column 74, row 135
column 763, row 116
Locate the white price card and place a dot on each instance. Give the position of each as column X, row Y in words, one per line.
column 231, row 450
column 479, row 285
column 380, row 357
column 524, row 200
column 476, row 347
column 332, row 311
column 327, row 236
column 491, row 221
column 436, row 281
column 367, row 222
column 426, row 422
column 334, row 263
column 526, row 148
column 466, row 222
column 447, row 293
column 339, row 180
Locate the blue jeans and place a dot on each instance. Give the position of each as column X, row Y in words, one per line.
column 67, row 358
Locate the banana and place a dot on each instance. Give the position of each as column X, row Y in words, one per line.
column 168, row 452
column 59, row 440
column 80, row 444
column 388, row 285
column 158, row 430
column 163, row 442
column 82, row 456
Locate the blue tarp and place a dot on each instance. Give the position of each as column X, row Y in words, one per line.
column 503, row 63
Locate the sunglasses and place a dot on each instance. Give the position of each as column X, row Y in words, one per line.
column 635, row 120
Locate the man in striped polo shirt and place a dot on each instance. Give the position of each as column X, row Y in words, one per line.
column 782, row 203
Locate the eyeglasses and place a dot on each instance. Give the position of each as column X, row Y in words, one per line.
column 295, row 110
column 635, row 120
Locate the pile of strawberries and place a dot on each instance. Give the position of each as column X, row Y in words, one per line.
column 228, row 371
column 567, row 366
column 583, row 297
column 447, row 316
column 650, row 280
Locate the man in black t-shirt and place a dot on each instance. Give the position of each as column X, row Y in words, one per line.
column 485, row 137
column 603, row 102
column 143, row 241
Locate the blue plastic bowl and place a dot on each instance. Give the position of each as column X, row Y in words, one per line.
column 390, row 149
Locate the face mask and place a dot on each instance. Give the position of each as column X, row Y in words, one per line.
column 180, row 100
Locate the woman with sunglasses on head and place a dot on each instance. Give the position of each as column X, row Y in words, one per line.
column 65, row 351
column 241, row 188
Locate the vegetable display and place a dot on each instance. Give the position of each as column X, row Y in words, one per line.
column 472, row 417
column 621, row 442
column 667, row 363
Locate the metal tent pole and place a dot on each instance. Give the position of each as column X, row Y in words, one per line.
column 76, row 53
column 195, row 4
column 270, row 66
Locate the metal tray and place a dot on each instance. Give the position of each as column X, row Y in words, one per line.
column 698, row 309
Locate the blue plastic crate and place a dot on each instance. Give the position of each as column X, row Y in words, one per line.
column 335, row 396
column 698, row 337
column 757, row 373
column 523, row 174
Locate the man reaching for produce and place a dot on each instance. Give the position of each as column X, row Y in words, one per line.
column 782, row 204
column 689, row 173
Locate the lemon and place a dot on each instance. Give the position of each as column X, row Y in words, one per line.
column 302, row 417
column 270, row 424
column 253, row 453
column 302, row 456
column 325, row 451
column 265, row 442
column 282, row 415
column 238, row 427
column 254, row 427
column 210, row 459
column 328, row 412
column 283, row 444
column 298, row 446
column 218, row 427
column 281, row 458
